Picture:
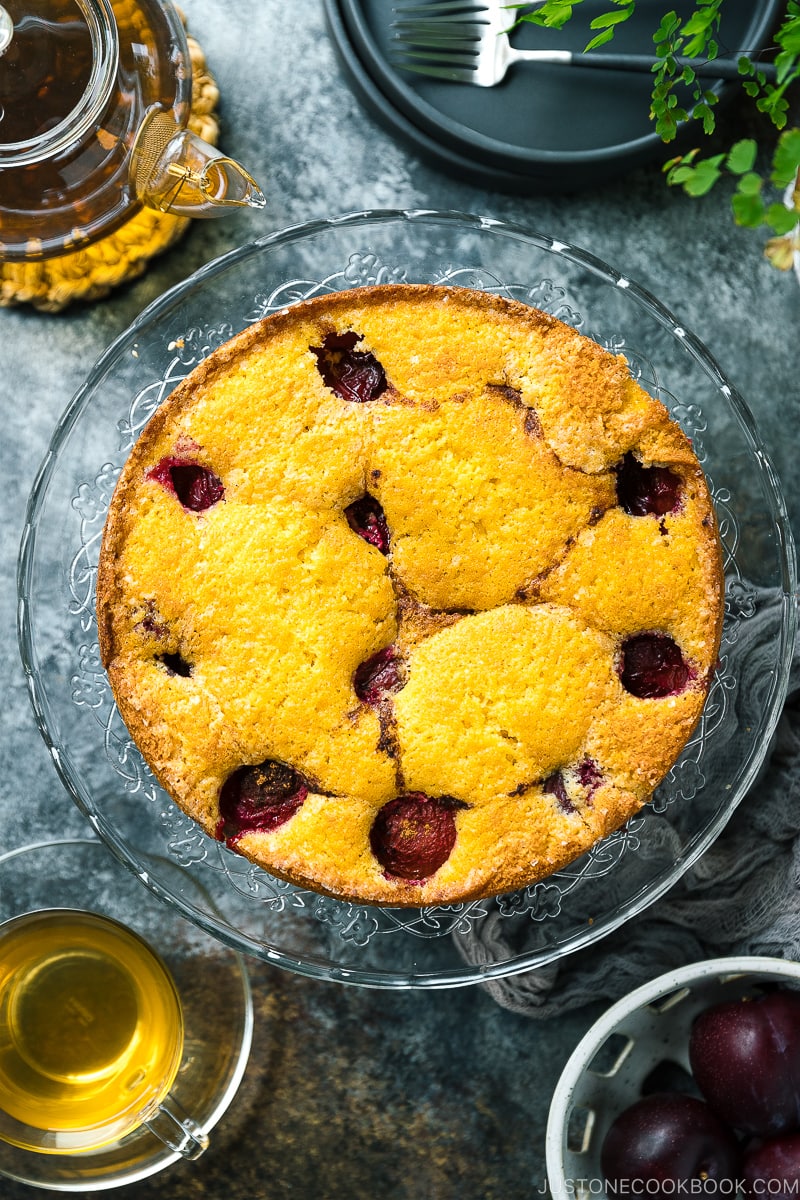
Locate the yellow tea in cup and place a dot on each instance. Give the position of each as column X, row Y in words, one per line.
column 91, row 1031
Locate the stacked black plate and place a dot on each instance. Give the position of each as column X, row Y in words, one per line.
column 544, row 128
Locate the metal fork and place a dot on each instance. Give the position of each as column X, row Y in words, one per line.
column 466, row 41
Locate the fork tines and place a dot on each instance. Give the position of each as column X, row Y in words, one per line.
column 445, row 40
column 440, row 24
column 417, row 9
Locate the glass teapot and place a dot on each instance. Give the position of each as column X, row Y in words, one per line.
column 95, row 96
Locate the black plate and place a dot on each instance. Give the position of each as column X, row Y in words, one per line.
column 545, row 128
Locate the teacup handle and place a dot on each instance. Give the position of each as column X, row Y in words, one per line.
column 173, row 1126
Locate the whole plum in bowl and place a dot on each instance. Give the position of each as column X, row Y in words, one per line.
column 690, row 1085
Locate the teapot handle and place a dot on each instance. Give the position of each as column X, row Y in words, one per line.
column 175, row 171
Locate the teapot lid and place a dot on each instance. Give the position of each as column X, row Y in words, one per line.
column 58, row 60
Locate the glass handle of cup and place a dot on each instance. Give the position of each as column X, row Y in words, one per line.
column 6, row 29
column 174, row 171
column 173, row 1126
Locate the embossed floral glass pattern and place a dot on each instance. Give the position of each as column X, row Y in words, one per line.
column 298, row 929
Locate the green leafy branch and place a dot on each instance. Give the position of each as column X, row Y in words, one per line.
column 554, row 14
column 695, row 38
column 679, row 96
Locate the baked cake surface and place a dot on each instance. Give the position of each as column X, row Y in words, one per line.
column 410, row 594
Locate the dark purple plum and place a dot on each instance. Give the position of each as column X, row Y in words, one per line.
column 366, row 518
column 667, row 1138
column 589, row 776
column 745, row 1057
column 652, row 666
column 413, row 835
column 176, row 664
column 259, row 799
column 195, row 486
column 378, row 677
column 354, row 375
column 773, row 1168
column 555, row 785
column 647, row 490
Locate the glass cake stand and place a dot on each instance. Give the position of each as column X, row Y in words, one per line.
column 247, row 908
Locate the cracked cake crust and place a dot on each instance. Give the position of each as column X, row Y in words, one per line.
column 375, row 582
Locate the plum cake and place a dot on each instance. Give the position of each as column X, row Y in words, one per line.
column 410, row 593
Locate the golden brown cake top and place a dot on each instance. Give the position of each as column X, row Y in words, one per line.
column 401, row 542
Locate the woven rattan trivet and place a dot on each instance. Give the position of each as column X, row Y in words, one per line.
column 89, row 274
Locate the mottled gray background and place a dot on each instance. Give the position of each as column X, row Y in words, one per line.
column 355, row 1094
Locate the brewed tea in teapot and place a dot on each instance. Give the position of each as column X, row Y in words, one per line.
column 95, row 96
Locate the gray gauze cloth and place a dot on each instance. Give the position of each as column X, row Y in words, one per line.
column 741, row 897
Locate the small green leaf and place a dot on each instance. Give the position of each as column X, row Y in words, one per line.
column 701, row 112
column 600, row 40
column 666, row 126
column 669, row 23
column 748, row 210
column 750, row 184
column 705, row 176
column 786, row 159
column 697, row 46
column 552, row 14
column 607, row 19
column 680, row 174
column 786, row 68
column 701, row 23
column 781, row 218
column 681, row 160
column 775, row 106
column 789, row 34
column 742, row 155
column 696, row 24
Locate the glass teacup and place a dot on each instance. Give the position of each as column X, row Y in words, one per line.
column 114, row 1062
column 91, row 1036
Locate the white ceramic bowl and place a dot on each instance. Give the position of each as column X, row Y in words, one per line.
column 645, row 1030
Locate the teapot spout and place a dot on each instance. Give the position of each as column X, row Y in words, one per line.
column 175, row 171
